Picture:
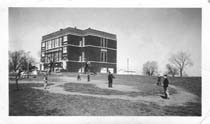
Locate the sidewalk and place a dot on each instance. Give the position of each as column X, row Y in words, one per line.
column 175, row 100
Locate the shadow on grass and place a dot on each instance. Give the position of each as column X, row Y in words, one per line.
column 190, row 109
column 27, row 101
column 91, row 89
column 163, row 97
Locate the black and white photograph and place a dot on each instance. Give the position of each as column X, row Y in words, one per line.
column 104, row 61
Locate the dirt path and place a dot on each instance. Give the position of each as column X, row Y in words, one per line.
column 178, row 99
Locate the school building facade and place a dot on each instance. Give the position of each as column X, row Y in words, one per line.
column 72, row 49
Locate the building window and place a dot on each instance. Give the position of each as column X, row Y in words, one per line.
column 83, row 56
column 49, row 44
column 111, row 70
column 60, row 42
column 80, row 58
column 65, row 58
column 56, row 42
column 43, row 44
column 65, row 38
column 104, row 42
column 82, row 43
column 64, row 49
column 52, row 43
column 43, row 54
column 103, row 70
column 56, row 56
column 59, row 55
column 103, row 56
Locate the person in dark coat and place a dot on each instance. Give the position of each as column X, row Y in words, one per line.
column 165, row 86
column 110, row 78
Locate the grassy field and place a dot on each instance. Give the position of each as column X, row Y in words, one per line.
column 29, row 101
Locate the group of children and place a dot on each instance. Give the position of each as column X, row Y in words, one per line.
column 79, row 77
column 110, row 78
column 110, row 81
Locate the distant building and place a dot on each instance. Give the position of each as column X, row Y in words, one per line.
column 73, row 49
column 123, row 71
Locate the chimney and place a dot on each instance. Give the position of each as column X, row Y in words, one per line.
column 75, row 27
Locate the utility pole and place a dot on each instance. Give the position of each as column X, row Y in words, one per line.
column 28, row 63
column 128, row 65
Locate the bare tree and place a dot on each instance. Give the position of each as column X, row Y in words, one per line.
column 19, row 59
column 171, row 70
column 181, row 60
column 150, row 68
column 53, row 59
column 16, row 60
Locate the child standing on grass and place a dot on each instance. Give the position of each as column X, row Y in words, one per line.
column 159, row 81
column 45, row 80
column 78, row 77
column 88, row 77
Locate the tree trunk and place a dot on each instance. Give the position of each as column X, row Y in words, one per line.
column 49, row 71
column 180, row 72
column 172, row 75
column 16, row 82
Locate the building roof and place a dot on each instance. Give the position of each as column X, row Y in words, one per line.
column 79, row 32
column 94, row 32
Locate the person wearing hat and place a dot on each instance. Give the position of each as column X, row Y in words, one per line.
column 165, row 86
column 110, row 78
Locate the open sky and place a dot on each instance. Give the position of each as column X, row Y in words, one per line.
column 143, row 34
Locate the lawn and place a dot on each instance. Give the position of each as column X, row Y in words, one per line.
column 91, row 89
column 34, row 102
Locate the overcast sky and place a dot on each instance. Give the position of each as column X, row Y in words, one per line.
column 142, row 34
